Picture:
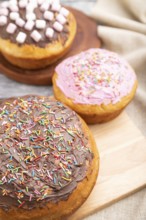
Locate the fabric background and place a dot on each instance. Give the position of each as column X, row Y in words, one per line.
column 123, row 31
column 122, row 28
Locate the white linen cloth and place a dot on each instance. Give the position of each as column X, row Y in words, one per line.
column 122, row 28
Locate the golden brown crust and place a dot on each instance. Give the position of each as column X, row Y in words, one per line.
column 62, row 209
column 33, row 57
column 94, row 113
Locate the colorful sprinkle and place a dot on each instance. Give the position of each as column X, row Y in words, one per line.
column 37, row 148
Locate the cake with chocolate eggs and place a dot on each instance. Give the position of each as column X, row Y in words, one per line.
column 97, row 84
column 35, row 33
column 48, row 156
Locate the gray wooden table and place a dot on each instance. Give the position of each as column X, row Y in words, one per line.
column 131, row 208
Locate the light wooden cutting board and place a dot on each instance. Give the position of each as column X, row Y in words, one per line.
column 122, row 150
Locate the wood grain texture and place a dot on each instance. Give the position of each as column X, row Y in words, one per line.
column 86, row 38
column 122, row 171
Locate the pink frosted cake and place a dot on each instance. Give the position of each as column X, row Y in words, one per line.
column 97, row 84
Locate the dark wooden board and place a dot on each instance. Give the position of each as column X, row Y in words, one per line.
column 86, row 38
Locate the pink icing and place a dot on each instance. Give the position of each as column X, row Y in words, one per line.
column 96, row 76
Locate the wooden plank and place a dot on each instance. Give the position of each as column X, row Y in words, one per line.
column 122, row 150
column 121, row 129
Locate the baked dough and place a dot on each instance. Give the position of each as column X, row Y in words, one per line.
column 49, row 159
column 97, row 84
column 35, row 53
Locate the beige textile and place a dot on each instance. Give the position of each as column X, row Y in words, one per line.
column 122, row 28
column 133, row 207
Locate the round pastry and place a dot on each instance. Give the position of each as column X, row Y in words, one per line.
column 97, row 84
column 34, row 34
column 48, row 156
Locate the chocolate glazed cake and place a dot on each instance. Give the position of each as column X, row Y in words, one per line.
column 35, row 33
column 49, row 160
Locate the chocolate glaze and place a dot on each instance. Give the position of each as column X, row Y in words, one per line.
column 58, row 36
column 44, row 152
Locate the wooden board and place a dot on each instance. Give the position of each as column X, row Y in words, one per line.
column 122, row 150
column 86, row 38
